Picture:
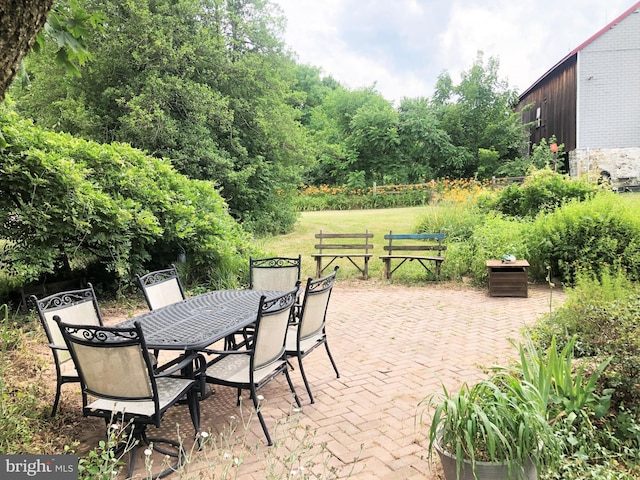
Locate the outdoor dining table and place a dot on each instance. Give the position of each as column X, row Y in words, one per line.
column 197, row 322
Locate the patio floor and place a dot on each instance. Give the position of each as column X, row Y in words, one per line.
column 393, row 346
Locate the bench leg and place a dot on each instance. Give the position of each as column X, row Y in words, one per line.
column 387, row 268
column 318, row 267
column 366, row 268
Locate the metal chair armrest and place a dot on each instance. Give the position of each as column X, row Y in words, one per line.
column 177, row 364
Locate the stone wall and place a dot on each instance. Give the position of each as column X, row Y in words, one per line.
column 622, row 164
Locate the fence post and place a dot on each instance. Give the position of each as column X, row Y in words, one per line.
column 374, row 188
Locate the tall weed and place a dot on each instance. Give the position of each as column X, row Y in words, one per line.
column 493, row 238
column 457, row 220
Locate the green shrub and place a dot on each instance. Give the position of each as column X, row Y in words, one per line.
column 79, row 208
column 495, row 237
column 602, row 312
column 590, row 236
column 542, row 191
column 359, row 201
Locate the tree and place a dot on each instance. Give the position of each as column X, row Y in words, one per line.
column 478, row 114
column 374, row 135
column 20, row 22
column 312, row 89
column 426, row 150
column 203, row 82
column 28, row 24
column 357, row 132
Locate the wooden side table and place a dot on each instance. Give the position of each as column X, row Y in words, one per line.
column 508, row 279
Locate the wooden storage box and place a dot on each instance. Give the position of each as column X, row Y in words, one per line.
column 508, row 279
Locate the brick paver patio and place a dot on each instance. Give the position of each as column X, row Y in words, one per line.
column 393, row 346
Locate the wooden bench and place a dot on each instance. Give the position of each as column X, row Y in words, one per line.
column 347, row 241
column 430, row 241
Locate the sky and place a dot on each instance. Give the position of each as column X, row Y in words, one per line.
column 401, row 46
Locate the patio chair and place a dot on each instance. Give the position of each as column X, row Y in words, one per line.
column 309, row 332
column 264, row 358
column 119, row 384
column 274, row 273
column 161, row 288
column 77, row 307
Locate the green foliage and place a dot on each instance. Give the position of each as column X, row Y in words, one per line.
column 541, row 157
column 598, row 321
column 547, row 406
column 566, row 389
column 542, row 191
column 355, row 131
column 457, row 220
column 602, row 312
column 478, row 116
column 597, row 451
column 591, row 236
column 495, row 237
column 577, row 411
column 68, row 26
column 106, row 460
column 500, row 419
column 76, row 206
column 206, row 84
column 18, row 407
column 347, row 199
column 425, row 147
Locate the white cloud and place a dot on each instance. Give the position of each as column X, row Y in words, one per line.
column 403, row 45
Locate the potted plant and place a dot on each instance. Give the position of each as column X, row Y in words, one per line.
column 502, row 427
column 494, row 429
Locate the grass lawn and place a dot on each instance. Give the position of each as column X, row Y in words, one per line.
column 378, row 222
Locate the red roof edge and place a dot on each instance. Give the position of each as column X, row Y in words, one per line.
column 609, row 25
column 600, row 32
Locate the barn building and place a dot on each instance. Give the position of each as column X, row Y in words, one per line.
column 590, row 100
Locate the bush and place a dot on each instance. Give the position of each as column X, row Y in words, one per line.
column 455, row 219
column 592, row 236
column 343, row 198
column 602, row 311
column 542, row 191
column 492, row 237
column 79, row 208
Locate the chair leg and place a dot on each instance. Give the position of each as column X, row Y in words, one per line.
column 57, row 400
column 291, row 387
column 194, row 410
column 256, row 405
column 304, row 378
column 326, row 345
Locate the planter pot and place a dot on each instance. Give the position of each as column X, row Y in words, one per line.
column 484, row 470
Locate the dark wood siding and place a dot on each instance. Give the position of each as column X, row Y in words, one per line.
column 556, row 96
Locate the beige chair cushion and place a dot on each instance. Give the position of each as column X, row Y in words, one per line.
column 274, row 278
column 164, row 293
column 168, row 390
column 235, row 368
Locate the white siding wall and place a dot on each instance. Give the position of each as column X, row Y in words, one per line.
column 609, row 88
